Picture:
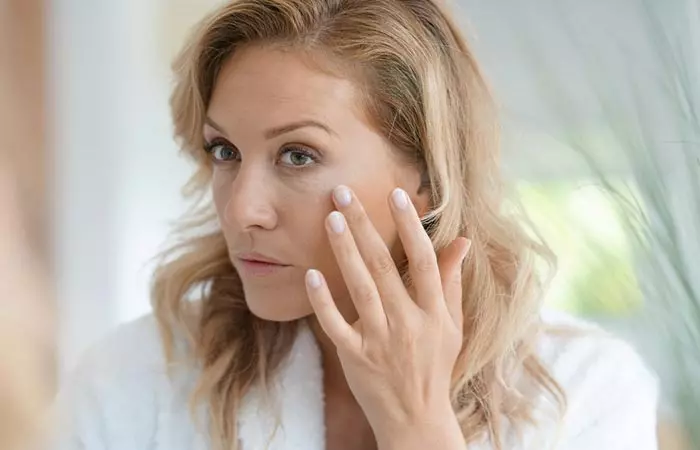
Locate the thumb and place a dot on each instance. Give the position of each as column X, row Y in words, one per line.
column 450, row 265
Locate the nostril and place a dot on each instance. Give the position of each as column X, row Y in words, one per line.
column 249, row 213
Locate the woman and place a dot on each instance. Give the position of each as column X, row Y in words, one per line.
column 307, row 305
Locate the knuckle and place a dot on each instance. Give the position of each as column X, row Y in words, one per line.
column 425, row 263
column 355, row 214
column 456, row 282
column 407, row 340
column 381, row 265
column 364, row 294
column 374, row 353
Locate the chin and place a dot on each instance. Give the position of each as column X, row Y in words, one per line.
column 285, row 307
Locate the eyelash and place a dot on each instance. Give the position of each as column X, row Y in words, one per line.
column 301, row 150
column 210, row 147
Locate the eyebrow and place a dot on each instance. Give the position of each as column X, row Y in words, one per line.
column 278, row 131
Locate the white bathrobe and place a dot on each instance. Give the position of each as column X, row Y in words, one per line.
column 120, row 398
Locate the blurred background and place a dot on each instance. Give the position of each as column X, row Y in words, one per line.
column 85, row 88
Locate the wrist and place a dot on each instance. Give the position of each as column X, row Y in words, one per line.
column 436, row 430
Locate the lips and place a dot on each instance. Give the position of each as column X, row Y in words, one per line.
column 258, row 265
column 259, row 258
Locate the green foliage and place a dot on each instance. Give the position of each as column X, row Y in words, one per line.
column 596, row 273
column 663, row 165
column 656, row 130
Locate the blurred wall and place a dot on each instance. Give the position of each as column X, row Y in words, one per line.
column 117, row 174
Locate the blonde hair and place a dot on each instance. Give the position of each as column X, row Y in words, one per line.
column 425, row 93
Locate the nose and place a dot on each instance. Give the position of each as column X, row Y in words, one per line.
column 251, row 201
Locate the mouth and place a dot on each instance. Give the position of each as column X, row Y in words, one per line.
column 258, row 265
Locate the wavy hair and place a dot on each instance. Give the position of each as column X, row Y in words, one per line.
column 423, row 90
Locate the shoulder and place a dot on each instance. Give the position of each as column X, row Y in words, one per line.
column 611, row 394
column 582, row 354
column 116, row 396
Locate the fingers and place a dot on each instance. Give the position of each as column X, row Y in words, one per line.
column 332, row 322
column 358, row 280
column 450, row 266
column 369, row 271
column 422, row 261
column 374, row 252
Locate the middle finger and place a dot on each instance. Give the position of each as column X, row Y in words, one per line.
column 358, row 280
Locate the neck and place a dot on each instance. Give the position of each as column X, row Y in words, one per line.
column 346, row 424
column 334, row 379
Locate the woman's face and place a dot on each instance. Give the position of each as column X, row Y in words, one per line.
column 283, row 136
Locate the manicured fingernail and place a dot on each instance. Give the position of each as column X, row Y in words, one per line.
column 400, row 198
column 342, row 195
column 337, row 222
column 313, row 278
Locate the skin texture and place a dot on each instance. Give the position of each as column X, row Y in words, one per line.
column 274, row 192
column 267, row 205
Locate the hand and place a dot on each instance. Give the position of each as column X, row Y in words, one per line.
column 398, row 357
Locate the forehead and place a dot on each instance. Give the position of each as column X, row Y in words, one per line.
column 282, row 84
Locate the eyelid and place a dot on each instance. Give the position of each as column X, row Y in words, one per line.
column 217, row 141
column 209, row 145
column 303, row 149
column 209, row 148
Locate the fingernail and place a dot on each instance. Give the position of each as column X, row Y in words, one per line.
column 313, row 278
column 337, row 222
column 342, row 195
column 400, row 198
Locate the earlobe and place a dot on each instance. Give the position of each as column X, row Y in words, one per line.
column 421, row 201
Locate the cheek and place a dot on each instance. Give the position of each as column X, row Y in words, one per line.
column 375, row 202
column 305, row 211
column 221, row 190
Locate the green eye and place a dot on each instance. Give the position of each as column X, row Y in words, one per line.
column 221, row 152
column 297, row 157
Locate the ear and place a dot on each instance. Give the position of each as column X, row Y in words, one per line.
column 421, row 200
column 415, row 182
column 421, row 193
